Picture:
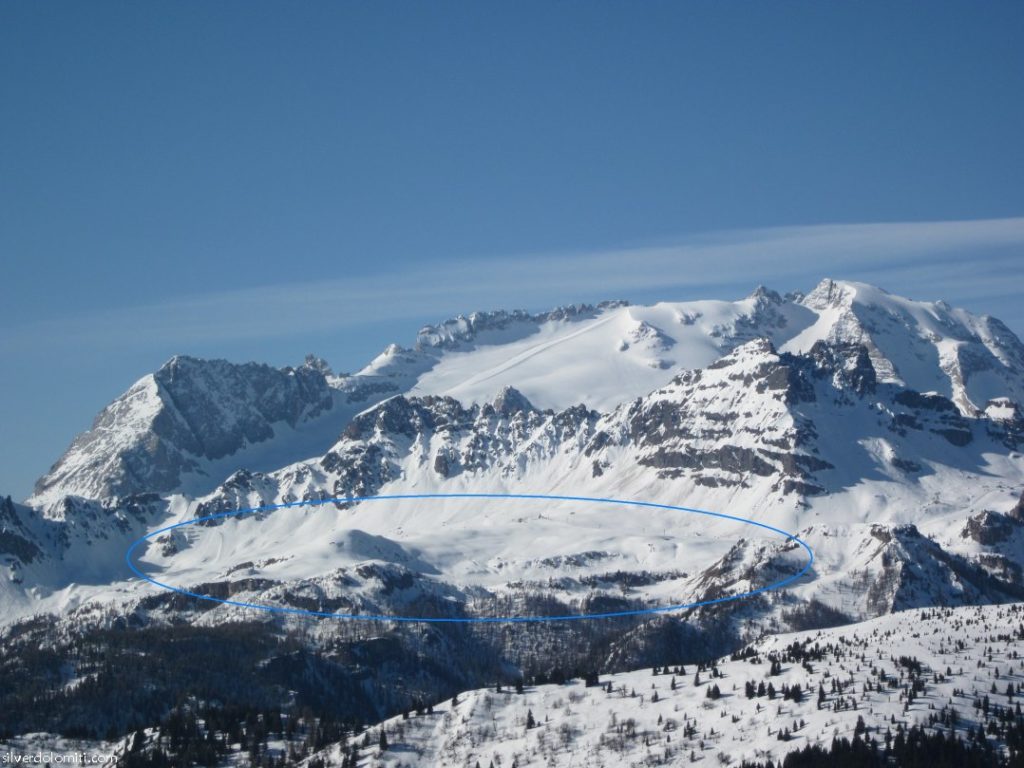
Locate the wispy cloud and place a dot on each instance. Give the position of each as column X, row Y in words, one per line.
column 967, row 261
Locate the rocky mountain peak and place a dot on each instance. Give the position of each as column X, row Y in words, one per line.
column 755, row 348
column 314, row 363
column 510, row 401
column 829, row 293
column 171, row 423
column 761, row 293
column 849, row 364
column 750, row 356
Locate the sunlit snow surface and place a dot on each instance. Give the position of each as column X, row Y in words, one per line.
column 466, row 542
column 644, row 719
column 621, row 354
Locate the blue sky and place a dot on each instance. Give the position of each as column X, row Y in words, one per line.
column 256, row 180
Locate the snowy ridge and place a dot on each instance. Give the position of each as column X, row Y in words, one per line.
column 620, row 353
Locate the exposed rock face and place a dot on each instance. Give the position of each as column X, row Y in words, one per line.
column 849, row 365
column 915, row 571
column 991, row 528
column 738, row 417
column 15, row 539
column 503, row 437
column 768, row 318
column 893, row 568
column 510, row 402
column 1000, row 541
column 932, row 412
column 1017, row 513
column 172, row 422
column 1006, row 421
column 908, row 342
column 218, row 405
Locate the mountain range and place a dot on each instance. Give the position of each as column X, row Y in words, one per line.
column 884, row 432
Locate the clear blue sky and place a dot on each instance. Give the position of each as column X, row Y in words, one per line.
column 160, row 158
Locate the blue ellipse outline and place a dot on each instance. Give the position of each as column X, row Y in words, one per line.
column 476, row 619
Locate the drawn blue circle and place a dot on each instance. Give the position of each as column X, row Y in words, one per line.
column 479, row 619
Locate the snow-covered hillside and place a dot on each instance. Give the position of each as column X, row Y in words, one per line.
column 947, row 670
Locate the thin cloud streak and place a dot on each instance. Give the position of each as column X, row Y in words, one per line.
column 947, row 259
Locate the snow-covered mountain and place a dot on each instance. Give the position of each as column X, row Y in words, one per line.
column 884, row 432
column 195, row 418
column 843, row 414
column 810, row 443
column 181, row 421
